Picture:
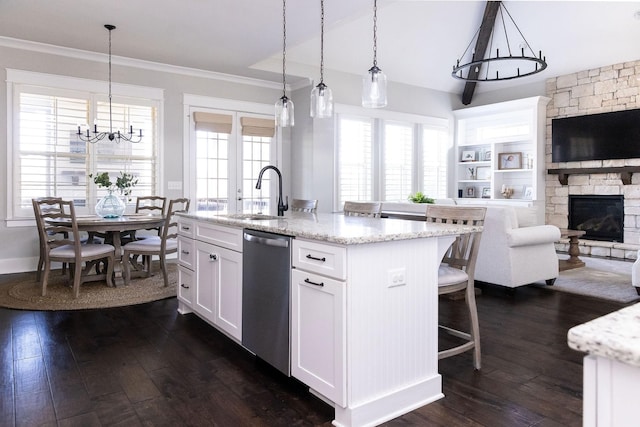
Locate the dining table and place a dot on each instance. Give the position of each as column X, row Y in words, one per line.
column 113, row 228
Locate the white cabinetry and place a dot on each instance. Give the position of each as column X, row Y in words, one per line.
column 501, row 146
column 318, row 318
column 210, row 274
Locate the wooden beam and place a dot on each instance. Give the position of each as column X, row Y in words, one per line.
column 484, row 35
column 626, row 172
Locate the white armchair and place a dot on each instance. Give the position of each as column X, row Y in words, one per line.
column 512, row 255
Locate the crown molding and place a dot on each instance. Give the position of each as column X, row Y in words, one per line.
column 131, row 62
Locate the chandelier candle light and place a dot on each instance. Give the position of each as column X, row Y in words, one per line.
column 95, row 136
column 321, row 96
column 374, row 83
column 284, row 106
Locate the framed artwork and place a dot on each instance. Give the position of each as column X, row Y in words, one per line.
column 471, row 192
column 487, row 156
column 509, row 161
column 483, row 173
column 486, row 192
column 528, row 193
column 468, row 156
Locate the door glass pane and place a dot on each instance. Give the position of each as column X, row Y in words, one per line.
column 212, row 178
column 256, row 155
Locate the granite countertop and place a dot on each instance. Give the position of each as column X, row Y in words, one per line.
column 615, row 335
column 337, row 228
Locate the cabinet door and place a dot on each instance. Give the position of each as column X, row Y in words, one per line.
column 318, row 334
column 206, row 266
column 218, row 296
column 228, row 292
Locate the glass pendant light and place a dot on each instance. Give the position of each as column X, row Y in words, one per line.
column 284, row 106
column 321, row 96
column 374, row 83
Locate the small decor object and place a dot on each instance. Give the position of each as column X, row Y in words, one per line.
column 468, row 156
column 471, row 192
column 420, row 197
column 506, row 192
column 528, row 193
column 509, row 161
column 483, row 173
column 111, row 205
column 486, row 192
column 487, row 156
column 472, row 173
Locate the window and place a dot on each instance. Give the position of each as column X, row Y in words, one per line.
column 380, row 159
column 48, row 159
column 230, row 150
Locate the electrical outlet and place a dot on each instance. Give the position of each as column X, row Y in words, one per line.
column 396, row 277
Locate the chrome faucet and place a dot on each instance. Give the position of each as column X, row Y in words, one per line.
column 281, row 207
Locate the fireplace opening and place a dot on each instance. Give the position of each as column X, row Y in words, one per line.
column 602, row 217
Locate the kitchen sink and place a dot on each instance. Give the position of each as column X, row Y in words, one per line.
column 252, row 217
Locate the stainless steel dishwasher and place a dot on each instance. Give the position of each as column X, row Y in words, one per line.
column 266, row 283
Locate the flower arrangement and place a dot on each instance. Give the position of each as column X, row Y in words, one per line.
column 124, row 183
column 420, row 197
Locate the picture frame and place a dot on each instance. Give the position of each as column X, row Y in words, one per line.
column 468, row 156
column 471, row 192
column 527, row 193
column 483, row 173
column 486, row 192
column 487, row 156
column 508, row 161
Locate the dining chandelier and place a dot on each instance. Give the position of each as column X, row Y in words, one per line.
column 117, row 136
column 321, row 95
column 374, row 82
column 284, row 106
column 497, row 68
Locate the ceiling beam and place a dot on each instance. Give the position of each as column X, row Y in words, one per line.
column 484, row 35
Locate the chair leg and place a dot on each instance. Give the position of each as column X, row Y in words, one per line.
column 475, row 326
column 77, row 277
column 39, row 271
column 45, row 279
column 163, row 267
column 126, row 262
column 110, row 261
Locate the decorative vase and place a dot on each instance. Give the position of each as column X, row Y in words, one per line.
column 110, row 206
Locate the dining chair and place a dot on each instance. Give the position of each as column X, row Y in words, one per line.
column 456, row 272
column 166, row 243
column 367, row 209
column 43, row 243
column 301, row 205
column 65, row 249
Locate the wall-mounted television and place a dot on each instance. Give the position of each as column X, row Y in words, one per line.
column 601, row 136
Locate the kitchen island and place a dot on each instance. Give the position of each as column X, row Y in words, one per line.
column 364, row 302
column 611, row 367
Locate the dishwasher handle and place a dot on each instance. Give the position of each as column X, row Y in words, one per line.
column 281, row 243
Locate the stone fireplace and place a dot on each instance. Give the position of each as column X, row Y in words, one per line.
column 600, row 90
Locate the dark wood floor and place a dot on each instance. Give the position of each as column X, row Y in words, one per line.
column 148, row 365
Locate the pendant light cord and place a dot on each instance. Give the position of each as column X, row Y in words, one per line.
column 284, row 46
column 110, row 117
column 375, row 31
column 321, row 41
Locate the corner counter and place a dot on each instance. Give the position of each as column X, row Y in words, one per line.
column 363, row 302
column 611, row 367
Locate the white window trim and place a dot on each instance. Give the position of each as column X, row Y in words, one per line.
column 15, row 77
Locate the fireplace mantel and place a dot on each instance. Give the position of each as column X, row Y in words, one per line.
column 624, row 171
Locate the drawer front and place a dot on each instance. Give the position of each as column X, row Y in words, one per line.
column 227, row 237
column 320, row 258
column 186, row 285
column 185, row 227
column 186, row 252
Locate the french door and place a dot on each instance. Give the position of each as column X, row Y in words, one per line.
column 230, row 150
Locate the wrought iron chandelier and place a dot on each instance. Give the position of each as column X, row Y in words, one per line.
column 321, row 95
column 284, row 106
column 374, row 82
column 497, row 68
column 117, row 136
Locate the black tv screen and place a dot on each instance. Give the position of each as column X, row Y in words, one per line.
column 602, row 136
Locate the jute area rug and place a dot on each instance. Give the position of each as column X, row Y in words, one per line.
column 600, row 277
column 24, row 293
